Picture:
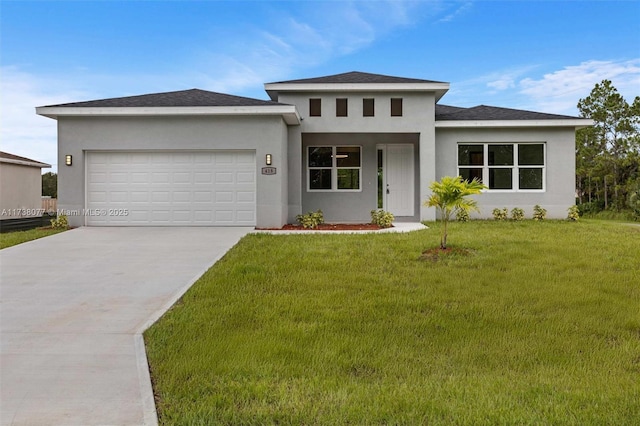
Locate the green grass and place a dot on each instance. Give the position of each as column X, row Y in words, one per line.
column 540, row 324
column 18, row 237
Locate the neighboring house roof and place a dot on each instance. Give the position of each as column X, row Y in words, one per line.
column 181, row 98
column 356, row 77
column 357, row 81
column 5, row 157
column 489, row 116
column 183, row 102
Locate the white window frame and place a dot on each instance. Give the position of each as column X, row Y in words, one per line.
column 334, row 169
column 515, row 174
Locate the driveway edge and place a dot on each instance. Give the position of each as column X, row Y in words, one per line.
column 150, row 415
column 146, row 389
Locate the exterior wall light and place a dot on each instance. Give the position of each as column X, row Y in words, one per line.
column 268, row 160
column 68, row 159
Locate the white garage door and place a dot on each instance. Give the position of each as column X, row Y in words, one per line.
column 195, row 188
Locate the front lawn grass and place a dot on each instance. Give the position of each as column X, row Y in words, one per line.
column 539, row 324
column 9, row 239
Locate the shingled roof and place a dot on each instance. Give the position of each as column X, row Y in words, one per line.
column 356, row 77
column 182, row 98
column 488, row 113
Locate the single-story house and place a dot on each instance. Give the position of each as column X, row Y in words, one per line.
column 345, row 144
column 20, row 186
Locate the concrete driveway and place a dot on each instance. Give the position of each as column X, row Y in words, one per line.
column 73, row 307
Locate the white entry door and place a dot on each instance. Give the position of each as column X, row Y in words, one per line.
column 398, row 183
column 179, row 188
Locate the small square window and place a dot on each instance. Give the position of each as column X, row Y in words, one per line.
column 396, row 107
column 341, row 107
column 315, row 107
column 368, row 107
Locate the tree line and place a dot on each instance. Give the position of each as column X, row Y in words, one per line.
column 608, row 154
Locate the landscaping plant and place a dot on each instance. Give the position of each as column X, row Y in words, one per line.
column 60, row 222
column 382, row 218
column 517, row 214
column 539, row 213
column 449, row 196
column 462, row 216
column 310, row 220
column 500, row 214
column 574, row 214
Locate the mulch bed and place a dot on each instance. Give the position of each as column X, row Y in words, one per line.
column 328, row 227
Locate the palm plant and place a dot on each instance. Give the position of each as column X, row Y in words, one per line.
column 450, row 196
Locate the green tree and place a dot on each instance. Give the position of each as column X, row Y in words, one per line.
column 449, row 196
column 50, row 185
column 607, row 153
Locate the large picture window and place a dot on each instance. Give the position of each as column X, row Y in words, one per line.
column 334, row 168
column 504, row 166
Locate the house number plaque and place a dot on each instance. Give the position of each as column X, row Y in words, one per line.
column 269, row 170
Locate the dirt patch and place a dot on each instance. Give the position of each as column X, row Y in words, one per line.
column 328, row 227
column 437, row 253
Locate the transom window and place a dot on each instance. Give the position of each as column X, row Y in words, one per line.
column 334, row 168
column 504, row 166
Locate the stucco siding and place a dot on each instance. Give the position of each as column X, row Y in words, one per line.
column 20, row 191
column 264, row 135
column 559, row 192
column 354, row 206
column 418, row 112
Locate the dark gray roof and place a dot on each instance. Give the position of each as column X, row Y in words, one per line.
column 484, row 112
column 182, row 98
column 356, row 77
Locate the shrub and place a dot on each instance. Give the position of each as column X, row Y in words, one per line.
column 574, row 213
column 500, row 214
column 462, row 216
column 310, row 220
column 517, row 214
column 60, row 222
column 539, row 213
column 381, row 218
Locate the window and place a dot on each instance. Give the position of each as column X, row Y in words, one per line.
column 334, row 168
column 396, row 107
column 315, row 107
column 341, row 107
column 368, row 107
column 510, row 167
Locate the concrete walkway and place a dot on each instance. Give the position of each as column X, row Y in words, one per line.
column 73, row 307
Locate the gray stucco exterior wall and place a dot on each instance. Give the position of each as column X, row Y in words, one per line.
column 355, row 129
column 263, row 134
column 559, row 192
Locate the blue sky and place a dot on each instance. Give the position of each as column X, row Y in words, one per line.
column 536, row 55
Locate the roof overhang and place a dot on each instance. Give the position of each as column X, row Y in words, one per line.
column 436, row 87
column 288, row 112
column 25, row 163
column 577, row 123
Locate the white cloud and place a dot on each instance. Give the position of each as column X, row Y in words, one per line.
column 22, row 132
column 320, row 33
column 555, row 92
column 559, row 91
column 459, row 11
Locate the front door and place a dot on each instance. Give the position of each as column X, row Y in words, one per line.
column 396, row 179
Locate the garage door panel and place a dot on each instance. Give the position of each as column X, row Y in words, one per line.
column 172, row 188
